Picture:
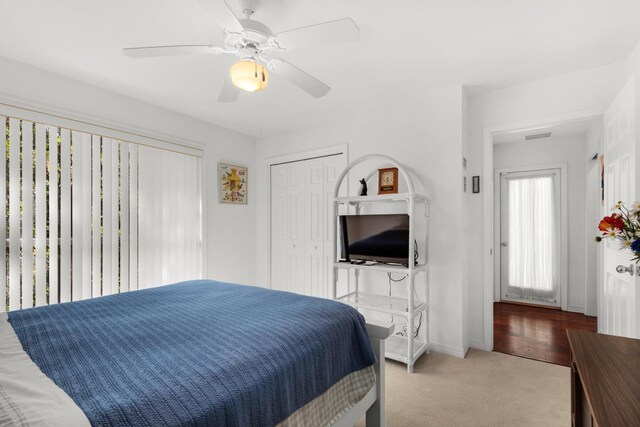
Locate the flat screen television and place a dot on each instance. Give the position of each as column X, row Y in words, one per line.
column 381, row 238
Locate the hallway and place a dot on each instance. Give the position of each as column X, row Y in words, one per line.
column 536, row 333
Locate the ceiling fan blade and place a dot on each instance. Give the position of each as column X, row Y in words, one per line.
column 304, row 81
column 340, row 31
column 155, row 51
column 229, row 92
column 223, row 14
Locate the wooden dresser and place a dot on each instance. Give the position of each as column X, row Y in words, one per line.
column 605, row 380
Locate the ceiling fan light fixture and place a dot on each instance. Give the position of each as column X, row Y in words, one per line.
column 249, row 76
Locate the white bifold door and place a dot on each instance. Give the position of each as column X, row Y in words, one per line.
column 301, row 236
column 530, row 242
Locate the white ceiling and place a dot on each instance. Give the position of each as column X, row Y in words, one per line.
column 561, row 129
column 404, row 45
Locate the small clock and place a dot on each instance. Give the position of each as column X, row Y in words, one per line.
column 387, row 181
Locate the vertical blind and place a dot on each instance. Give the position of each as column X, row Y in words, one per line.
column 88, row 215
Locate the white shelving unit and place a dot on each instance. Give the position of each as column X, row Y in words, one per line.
column 406, row 349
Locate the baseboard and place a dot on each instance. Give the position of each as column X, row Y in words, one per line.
column 477, row 344
column 575, row 309
column 450, row 350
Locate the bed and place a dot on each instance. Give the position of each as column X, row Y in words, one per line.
column 193, row 353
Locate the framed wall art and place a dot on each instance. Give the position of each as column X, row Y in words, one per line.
column 232, row 184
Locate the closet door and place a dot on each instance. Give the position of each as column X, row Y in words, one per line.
column 314, row 214
column 296, row 216
column 279, row 227
column 301, row 235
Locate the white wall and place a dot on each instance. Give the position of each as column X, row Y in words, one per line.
column 231, row 229
column 593, row 212
column 589, row 90
column 633, row 64
column 424, row 131
column 570, row 149
column 466, row 213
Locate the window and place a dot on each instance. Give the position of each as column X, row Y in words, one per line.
column 530, row 236
column 88, row 215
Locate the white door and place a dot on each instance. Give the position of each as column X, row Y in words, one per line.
column 530, row 236
column 279, row 227
column 287, row 227
column 314, row 227
column 619, row 294
column 301, row 237
column 297, row 227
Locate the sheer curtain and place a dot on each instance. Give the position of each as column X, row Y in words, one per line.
column 532, row 235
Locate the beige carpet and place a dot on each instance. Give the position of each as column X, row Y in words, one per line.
column 484, row 389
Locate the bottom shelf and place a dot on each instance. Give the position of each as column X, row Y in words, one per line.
column 396, row 348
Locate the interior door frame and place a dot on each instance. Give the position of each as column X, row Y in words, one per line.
column 564, row 237
column 335, row 150
column 488, row 202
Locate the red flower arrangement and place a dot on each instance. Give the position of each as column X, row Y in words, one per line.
column 624, row 225
column 609, row 222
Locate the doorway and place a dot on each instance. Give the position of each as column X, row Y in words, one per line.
column 531, row 229
column 540, row 263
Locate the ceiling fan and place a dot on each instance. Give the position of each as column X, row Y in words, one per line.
column 256, row 46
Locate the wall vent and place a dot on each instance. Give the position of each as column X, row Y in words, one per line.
column 538, row 136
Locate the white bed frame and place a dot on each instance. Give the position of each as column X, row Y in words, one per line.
column 373, row 402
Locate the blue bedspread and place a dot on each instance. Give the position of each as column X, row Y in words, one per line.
column 195, row 353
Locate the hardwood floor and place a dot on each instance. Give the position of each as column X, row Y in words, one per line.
column 535, row 332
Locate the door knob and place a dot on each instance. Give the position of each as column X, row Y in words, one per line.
column 503, row 244
column 624, row 269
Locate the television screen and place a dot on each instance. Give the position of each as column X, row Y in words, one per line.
column 379, row 238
